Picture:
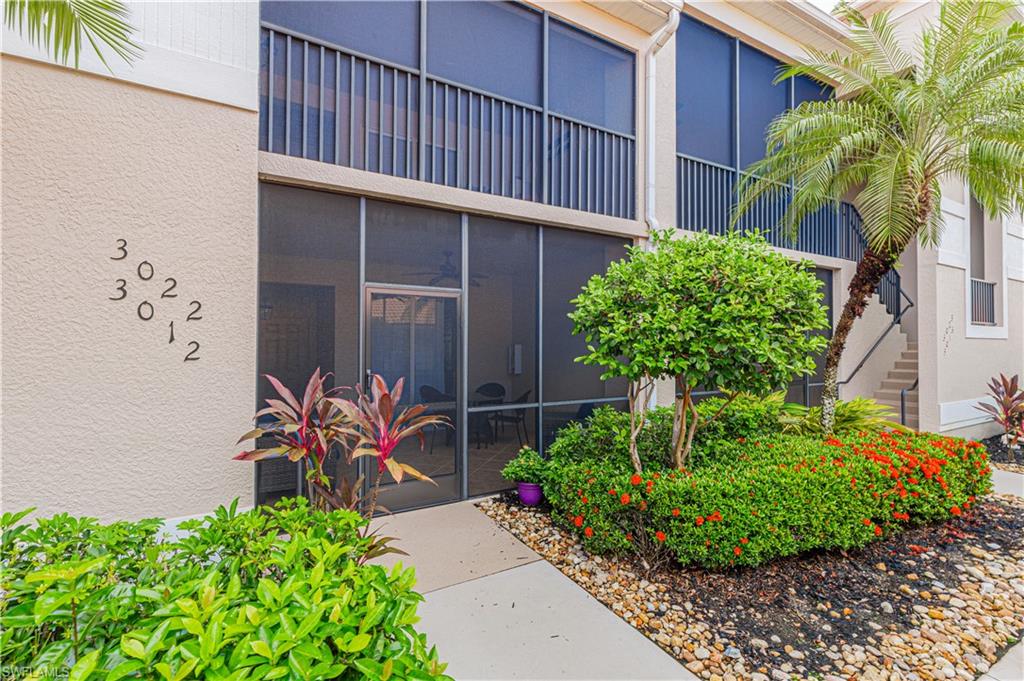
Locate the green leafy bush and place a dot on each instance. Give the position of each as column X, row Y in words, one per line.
column 851, row 416
column 527, row 466
column 763, row 499
column 720, row 311
column 274, row 593
column 604, row 438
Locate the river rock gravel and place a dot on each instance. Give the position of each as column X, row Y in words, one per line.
column 938, row 602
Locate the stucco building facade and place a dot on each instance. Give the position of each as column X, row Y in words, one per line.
column 417, row 194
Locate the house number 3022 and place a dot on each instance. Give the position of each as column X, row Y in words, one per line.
column 152, row 289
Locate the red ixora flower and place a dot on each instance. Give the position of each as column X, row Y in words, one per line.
column 659, row 535
column 699, row 520
column 955, row 510
column 624, row 499
column 744, row 540
column 676, row 512
column 866, row 522
column 737, row 550
column 578, row 521
column 589, row 531
column 878, row 531
column 635, row 479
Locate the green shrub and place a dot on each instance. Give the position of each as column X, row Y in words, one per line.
column 527, row 466
column 272, row 593
column 852, row 416
column 778, row 496
column 746, row 416
column 604, row 438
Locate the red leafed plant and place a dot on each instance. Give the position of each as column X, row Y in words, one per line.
column 1008, row 410
column 303, row 431
column 368, row 426
column 377, row 428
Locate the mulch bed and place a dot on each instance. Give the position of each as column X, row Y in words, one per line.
column 938, row 602
column 1002, row 456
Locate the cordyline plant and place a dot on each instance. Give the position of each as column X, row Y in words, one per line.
column 377, row 428
column 1007, row 408
column 302, row 431
column 724, row 313
column 902, row 121
column 369, row 426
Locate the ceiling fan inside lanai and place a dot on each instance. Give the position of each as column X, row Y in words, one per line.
column 447, row 274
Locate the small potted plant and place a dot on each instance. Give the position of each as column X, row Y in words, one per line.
column 526, row 470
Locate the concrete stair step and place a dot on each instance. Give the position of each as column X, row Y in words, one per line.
column 908, row 375
column 906, row 365
column 909, row 356
column 892, row 397
column 897, row 385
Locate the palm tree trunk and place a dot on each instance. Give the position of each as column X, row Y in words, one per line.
column 870, row 270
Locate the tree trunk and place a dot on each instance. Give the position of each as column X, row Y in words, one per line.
column 678, row 421
column 682, row 430
column 639, row 393
column 870, row 270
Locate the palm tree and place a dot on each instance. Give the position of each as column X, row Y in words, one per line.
column 900, row 123
column 63, row 27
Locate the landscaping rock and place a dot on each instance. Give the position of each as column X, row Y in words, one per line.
column 766, row 623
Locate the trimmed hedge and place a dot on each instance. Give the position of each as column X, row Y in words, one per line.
column 748, row 501
column 279, row 593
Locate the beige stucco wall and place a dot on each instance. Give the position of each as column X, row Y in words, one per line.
column 966, row 364
column 101, row 415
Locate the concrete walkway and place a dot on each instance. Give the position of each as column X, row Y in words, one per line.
column 1005, row 482
column 496, row 610
column 451, row 544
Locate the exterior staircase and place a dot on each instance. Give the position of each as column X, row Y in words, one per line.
column 902, row 375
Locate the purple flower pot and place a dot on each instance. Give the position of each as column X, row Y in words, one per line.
column 530, row 493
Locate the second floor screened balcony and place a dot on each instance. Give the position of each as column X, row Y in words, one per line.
column 492, row 97
column 725, row 99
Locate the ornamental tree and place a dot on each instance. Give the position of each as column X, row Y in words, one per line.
column 725, row 313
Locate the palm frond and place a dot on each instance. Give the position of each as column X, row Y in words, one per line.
column 63, row 27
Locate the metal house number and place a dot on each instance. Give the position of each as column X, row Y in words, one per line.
column 146, row 310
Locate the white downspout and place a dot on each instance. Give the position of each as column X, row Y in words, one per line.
column 659, row 41
column 666, row 32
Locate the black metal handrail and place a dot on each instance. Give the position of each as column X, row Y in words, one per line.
column 874, row 346
column 903, row 401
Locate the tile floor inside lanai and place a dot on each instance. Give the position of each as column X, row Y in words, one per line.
column 497, row 610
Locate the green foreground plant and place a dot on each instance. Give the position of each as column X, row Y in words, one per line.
column 272, row 593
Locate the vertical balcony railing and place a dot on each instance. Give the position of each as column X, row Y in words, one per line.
column 481, row 142
column 591, row 168
column 706, row 197
column 983, row 302
column 319, row 101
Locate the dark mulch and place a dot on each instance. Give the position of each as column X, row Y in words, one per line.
column 785, row 598
column 1003, row 456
